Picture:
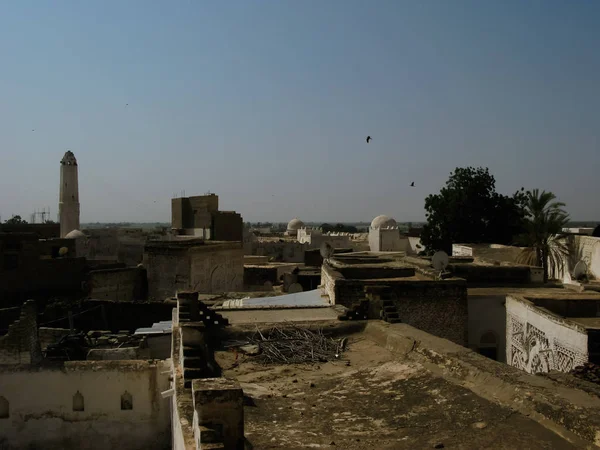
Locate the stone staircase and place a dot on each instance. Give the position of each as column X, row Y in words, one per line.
column 194, row 318
column 385, row 295
column 389, row 311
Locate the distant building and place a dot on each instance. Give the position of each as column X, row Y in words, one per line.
column 193, row 264
column 41, row 230
column 200, row 217
column 384, row 236
column 587, row 231
column 68, row 206
column 293, row 226
column 38, row 269
column 314, row 237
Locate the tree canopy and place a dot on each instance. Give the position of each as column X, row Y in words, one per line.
column 339, row 228
column 468, row 209
column 545, row 219
column 15, row 220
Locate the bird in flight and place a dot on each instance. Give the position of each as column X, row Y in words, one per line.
column 412, row 184
column 368, row 139
column 126, row 105
column 32, row 130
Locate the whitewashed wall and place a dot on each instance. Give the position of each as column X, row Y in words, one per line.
column 387, row 240
column 461, row 250
column 414, row 244
column 328, row 284
column 41, row 406
column 537, row 341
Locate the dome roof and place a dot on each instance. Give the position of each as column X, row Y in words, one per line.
column 295, row 224
column 383, row 222
column 75, row 234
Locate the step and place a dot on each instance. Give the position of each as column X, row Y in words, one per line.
column 398, row 320
column 194, row 362
column 392, row 315
column 213, row 446
column 390, row 309
column 209, row 436
column 387, row 303
column 193, row 374
column 191, row 352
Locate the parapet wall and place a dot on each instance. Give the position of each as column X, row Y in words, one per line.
column 570, row 412
column 86, row 404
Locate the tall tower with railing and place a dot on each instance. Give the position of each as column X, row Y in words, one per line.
column 68, row 202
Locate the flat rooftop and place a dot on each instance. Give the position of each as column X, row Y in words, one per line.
column 587, row 322
column 370, row 399
column 582, row 308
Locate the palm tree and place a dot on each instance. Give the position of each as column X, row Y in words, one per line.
column 545, row 243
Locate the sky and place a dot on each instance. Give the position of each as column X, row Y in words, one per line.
column 268, row 103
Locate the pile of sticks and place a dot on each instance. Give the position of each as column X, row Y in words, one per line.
column 296, row 345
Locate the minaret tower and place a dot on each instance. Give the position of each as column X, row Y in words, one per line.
column 68, row 202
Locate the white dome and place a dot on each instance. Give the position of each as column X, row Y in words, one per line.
column 295, row 225
column 383, row 222
column 75, row 234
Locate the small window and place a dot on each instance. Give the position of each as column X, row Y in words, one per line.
column 78, row 402
column 126, row 401
column 4, row 409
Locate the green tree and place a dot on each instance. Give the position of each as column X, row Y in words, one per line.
column 15, row 220
column 326, row 227
column 469, row 210
column 545, row 241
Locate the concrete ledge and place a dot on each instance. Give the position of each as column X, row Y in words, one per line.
column 571, row 413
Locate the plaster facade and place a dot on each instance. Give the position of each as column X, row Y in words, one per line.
column 81, row 406
column 387, row 240
column 203, row 266
column 540, row 341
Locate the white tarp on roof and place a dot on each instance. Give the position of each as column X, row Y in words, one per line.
column 308, row 298
column 162, row 327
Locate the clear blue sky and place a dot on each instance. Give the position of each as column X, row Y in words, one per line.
column 268, row 103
